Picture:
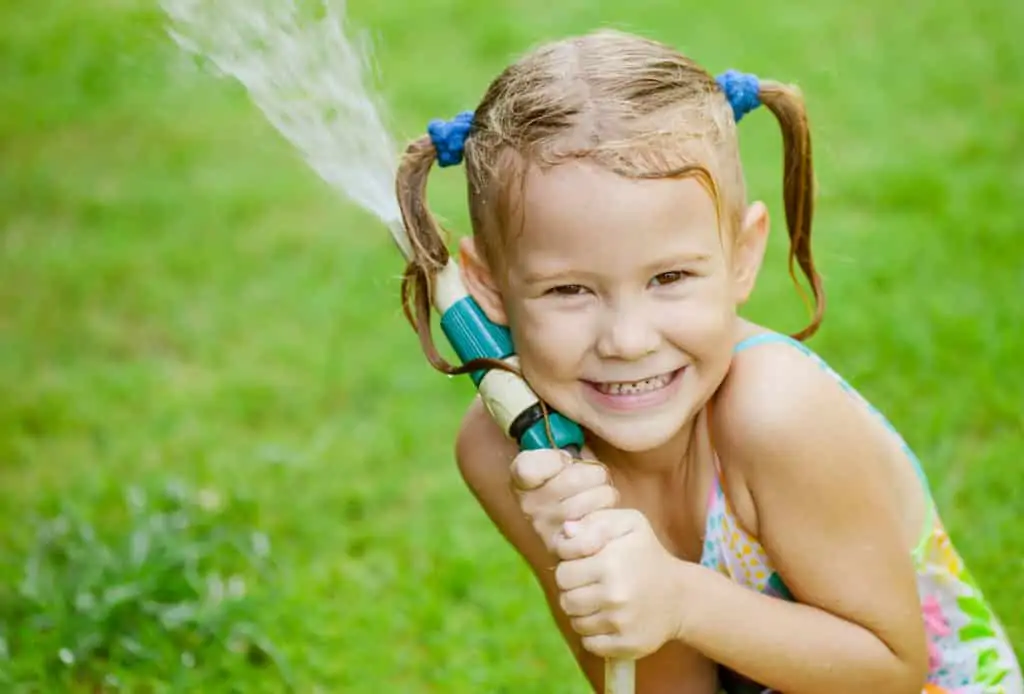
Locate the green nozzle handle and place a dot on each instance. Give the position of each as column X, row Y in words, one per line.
column 509, row 399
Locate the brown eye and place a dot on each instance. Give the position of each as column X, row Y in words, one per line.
column 670, row 277
column 568, row 290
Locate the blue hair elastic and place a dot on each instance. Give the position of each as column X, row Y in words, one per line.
column 449, row 137
column 742, row 90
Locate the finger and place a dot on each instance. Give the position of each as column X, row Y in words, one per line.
column 581, row 602
column 531, row 469
column 564, row 486
column 591, row 625
column 581, row 539
column 533, row 504
column 586, row 502
column 576, row 478
column 577, row 573
column 613, row 522
column 607, row 645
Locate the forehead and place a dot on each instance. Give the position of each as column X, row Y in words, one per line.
column 579, row 213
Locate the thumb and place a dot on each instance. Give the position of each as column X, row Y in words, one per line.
column 533, row 468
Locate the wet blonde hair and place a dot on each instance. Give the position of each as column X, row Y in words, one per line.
column 632, row 105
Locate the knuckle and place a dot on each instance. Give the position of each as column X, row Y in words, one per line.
column 530, row 504
column 566, row 549
column 595, row 644
column 590, row 474
column 528, row 468
column 561, row 547
column 546, row 530
column 576, row 507
column 617, row 598
column 528, row 479
column 609, row 496
column 570, row 481
column 518, row 474
column 569, row 604
column 596, row 542
column 533, row 511
column 560, row 576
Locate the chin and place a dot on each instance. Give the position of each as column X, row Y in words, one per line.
column 637, row 437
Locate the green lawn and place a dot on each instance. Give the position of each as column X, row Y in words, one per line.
column 183, row 302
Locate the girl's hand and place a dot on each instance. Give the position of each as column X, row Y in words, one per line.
column 619, row 585
column 552, row 489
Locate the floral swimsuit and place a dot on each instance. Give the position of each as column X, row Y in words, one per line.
column 968, row 649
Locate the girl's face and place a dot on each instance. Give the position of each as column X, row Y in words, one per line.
column 621, row 296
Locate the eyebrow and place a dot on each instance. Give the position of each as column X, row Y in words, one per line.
column 677, row 259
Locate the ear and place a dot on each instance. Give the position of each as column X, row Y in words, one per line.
column 749, row 250
column 480, row 281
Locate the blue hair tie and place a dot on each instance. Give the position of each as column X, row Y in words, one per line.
column 449, row 137
column 742, row 90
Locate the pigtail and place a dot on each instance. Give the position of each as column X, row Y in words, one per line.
column 430, row 255
column 798, row 189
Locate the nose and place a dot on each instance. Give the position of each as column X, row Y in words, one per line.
column 627, row 333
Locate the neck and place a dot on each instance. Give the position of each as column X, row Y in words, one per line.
column 667, row 461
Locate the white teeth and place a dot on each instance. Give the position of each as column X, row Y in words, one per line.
column 635, row 387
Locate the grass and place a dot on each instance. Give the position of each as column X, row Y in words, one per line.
column 188, row 313
column 102, row 604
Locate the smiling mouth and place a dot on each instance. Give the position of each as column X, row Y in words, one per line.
column 647, row 385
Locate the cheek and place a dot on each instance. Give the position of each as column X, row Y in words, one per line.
column 702, row 323
column 546, row 341
column 709, row 317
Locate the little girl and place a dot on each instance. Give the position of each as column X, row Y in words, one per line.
column 753, row 523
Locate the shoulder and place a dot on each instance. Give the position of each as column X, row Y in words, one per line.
column 779, row 404
column 786, row 425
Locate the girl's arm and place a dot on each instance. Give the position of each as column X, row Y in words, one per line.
column 484, row 457
column 821, row 481
column 820, row 473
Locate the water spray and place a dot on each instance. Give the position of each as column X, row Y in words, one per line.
column 308, row 74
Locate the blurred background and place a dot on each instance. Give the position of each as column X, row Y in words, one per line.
column 225, row 465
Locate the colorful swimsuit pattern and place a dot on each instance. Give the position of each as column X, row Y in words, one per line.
column 969, row 652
